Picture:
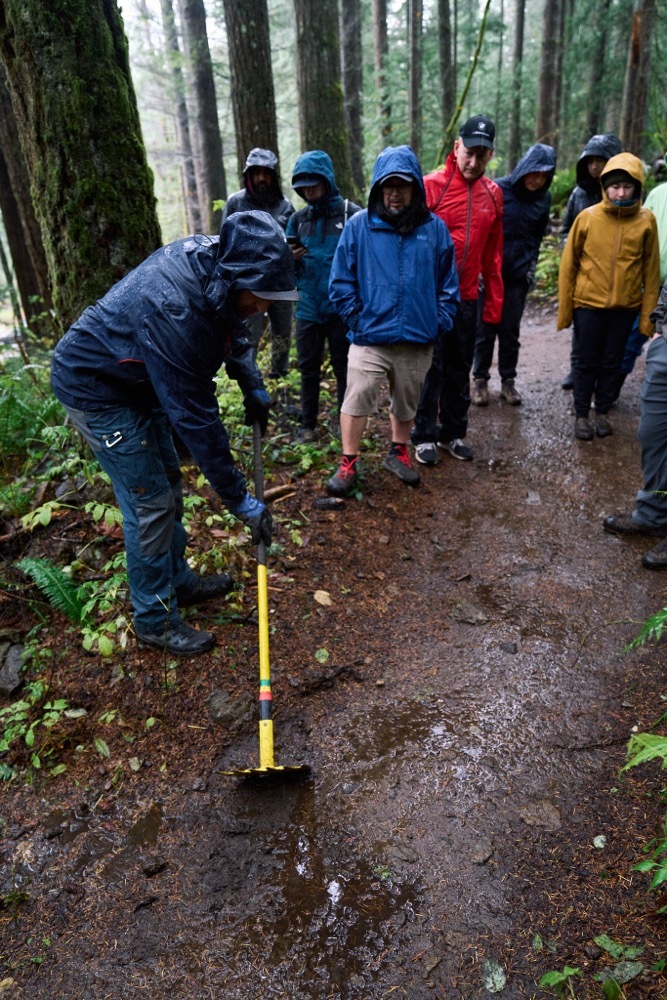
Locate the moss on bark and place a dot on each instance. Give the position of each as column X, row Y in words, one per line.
column 68, row 70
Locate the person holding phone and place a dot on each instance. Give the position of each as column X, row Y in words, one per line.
column 313, row 233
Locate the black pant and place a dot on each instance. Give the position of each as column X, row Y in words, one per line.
column 310, row 342
column 280, row 318
column 446, row 391
column 600, row 336
column 507, row 331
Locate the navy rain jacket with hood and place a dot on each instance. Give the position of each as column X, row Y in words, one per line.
column 525, row 213
column 318, row 226
column 390, row 288
column 588, row 190
column 245, row 200
column 160, row 335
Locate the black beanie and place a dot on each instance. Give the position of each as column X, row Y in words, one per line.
column 617, row 177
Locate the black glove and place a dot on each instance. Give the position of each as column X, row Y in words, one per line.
column 257, row 403
column 256, row 516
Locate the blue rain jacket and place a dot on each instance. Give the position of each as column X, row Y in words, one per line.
column 391, row 288
column 319, row 227
column 160, row 335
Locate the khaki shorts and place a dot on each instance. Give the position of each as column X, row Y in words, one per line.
column 404, row 366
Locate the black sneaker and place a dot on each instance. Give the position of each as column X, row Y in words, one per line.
column 426, row 453
column 457, row 449
column 179, row 639
column 344, row 480
column 398, row 462
column 205, row 589
column 568, row 382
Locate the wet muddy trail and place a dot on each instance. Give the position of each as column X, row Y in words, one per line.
column 465, row 732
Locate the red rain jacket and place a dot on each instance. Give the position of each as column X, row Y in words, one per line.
column 473, row 215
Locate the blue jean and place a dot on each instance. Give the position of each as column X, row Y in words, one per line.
column 137, row 452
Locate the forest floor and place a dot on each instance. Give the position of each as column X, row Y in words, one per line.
column 452, row 663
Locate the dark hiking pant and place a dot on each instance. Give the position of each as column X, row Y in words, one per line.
column 600, row 338
column 507, row 332
column 311, row 340
column 442, row 414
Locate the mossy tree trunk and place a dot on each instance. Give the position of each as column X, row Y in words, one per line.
column 253, row 98
column 23, row 232
column 352, row 61
column 321, row 107
column 69, row 77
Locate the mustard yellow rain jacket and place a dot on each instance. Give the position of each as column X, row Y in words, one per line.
column 611, row 258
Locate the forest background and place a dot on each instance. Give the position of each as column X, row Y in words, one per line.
column 118, row 133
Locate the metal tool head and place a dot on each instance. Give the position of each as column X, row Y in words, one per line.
column 261, row 775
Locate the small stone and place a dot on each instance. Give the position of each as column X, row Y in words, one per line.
column 509, row 647
column 350, row 787
column 227, row 712
column 12, row 659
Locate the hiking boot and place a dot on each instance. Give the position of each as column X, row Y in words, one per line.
column 568, row 381
column 602, row 426
column 426, row 453
column 656, row 558
column 480, row 392
column 627, row 524
column 179, row 639
column 457, row 449
column 398, row 462
column 345, row 479
column 306, row 435
column 583, row 429
column 509, row 393
column 206, row 588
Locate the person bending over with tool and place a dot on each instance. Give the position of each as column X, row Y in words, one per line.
column 145, row 357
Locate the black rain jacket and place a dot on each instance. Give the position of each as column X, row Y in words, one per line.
column 246, row 200
column 160, row 335
column 525, row 213
column 588, row 190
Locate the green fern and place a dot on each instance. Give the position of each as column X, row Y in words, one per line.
column 651, row 630
column 56, row 585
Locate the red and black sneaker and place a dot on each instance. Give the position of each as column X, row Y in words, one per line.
column 345, row 479
column 398, row 461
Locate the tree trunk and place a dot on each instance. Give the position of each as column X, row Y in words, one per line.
column 23, row 233
column 447, row 71
column 380, row 52
column 595, row 103
column 500, row 81
column 514, row 151
column 321, row 107
column 213, row 185
column 352, row 62
column 637, row 76
column 415, row 18
column 68, row 72
column 547, row 109
column 253, row 97
column 192, row 211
